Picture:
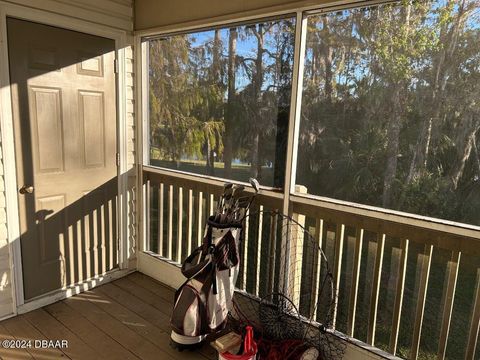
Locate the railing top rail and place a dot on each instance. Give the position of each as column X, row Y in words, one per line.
column 387, row 214
column 267, row 195
column 443, row 234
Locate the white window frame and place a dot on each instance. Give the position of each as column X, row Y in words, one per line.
column 289, row 194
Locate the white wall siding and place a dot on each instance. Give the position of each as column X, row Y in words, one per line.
column 131, row 159
column 117, row 14
column 6, row 294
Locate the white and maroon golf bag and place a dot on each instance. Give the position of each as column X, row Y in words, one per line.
column 202, row 303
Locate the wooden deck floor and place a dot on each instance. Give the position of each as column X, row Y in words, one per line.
column 125, row 319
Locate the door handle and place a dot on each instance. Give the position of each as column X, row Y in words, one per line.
column 26, row 189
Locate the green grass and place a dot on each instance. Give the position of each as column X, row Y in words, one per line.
column 240, row 171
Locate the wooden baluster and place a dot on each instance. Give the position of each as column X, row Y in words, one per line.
column 295, row 241
column 160, row 219
column 475, row 323
column 397, row 308
column 375, row 289
column 355, row 279
column 189, row 221
column 426, row 260
column 259, row 250
column 200, row 219
column 245, row 251
column 170, row 223
column 180, row 225
column 449, row 296
column 273, row 250
column 148, row 214
column 337, row 268
column 110, row 215
column 318, row 268
column 211, row 205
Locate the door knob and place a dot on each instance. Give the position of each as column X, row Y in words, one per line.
column 26, row 189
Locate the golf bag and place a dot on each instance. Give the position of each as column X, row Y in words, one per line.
column 202, row 303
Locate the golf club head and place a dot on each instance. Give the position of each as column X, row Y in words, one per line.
column 228, row 191
column 227, row 196
column 255, row 184
column 238, row 190
column 243, row 204
column 244, row 198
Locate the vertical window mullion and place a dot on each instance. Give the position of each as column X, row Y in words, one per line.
column 292, row 140
column 295, row 105
column 140, row 129
column 145, row 103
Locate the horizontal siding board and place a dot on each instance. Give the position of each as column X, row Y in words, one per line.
column 130, row 106
column 77, row 10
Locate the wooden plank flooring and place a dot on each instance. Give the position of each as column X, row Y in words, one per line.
column 125, row 319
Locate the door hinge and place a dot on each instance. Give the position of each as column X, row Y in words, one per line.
column 115, row 66
column 118, row 159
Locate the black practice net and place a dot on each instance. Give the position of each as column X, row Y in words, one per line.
column 285, row 288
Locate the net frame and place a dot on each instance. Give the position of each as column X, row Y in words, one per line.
column 293, row 266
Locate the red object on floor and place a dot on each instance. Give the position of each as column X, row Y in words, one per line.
column 280, row 350
column 249, row 348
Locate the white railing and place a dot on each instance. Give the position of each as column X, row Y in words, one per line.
column 395, row 276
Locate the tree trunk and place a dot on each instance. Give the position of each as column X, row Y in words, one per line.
column 217, row 55
column 393, row 133
column 464, row 145
column 257, row 86
column 228, row 138
column 209, row 163
column 258, row 80
column 212, row 162
column 327, row 58
column 214, row 109
column 255, row 156
column 441, row 68
column 420, row 156
column 314, row 68
column 476, row 154
column 399, row 92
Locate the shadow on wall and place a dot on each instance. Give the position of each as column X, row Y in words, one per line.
column 75, row 243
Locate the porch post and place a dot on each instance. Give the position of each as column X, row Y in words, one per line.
column 292, row 141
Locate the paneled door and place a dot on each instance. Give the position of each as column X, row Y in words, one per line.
column 63, row 101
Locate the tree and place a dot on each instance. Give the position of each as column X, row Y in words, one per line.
column 451, row 23
column 172, row 99
column 231, row 98
column 390, row 107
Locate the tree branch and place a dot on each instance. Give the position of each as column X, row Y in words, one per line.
column 476, row 153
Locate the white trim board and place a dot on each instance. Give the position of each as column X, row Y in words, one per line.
column 7, row 133
column 73, row 290
column 160, row 269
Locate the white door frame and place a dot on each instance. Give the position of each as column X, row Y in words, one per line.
column 8, row 149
